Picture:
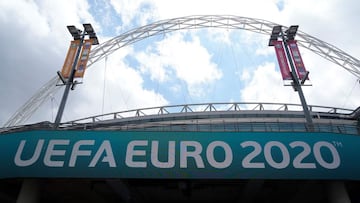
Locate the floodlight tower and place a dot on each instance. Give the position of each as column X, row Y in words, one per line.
column 69, row 83
column 289, row 34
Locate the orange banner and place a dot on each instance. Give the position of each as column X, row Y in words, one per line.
column 84, row 57
column 69, row 60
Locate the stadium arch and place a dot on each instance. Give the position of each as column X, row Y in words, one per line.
column 317, row 46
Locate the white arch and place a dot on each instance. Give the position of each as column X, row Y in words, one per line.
column 260, row 26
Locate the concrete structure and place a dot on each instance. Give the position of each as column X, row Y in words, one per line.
column 248, row 118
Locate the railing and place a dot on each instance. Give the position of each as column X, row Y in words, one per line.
column 209, row 107
column 211, row 117
column 351, row 129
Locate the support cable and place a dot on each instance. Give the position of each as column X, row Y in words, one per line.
column 350, row 93
column 104, row 87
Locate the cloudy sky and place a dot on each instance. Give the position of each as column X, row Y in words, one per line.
column 198, row 66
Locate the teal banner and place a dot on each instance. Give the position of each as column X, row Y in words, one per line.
column 189, row 155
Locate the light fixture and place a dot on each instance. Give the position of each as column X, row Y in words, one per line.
column 274, row 34
column 74, row 31
column 95, row 41
column 94, row 38
column 88, row 28
column 293, row 29
column 272, row 39
column 276, row 30
column 291, row 32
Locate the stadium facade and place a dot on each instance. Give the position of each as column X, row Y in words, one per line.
column 229, row 152
column 233, row 152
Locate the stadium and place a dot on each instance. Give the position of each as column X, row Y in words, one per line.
column 230, row 152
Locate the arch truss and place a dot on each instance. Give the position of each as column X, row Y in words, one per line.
column 323, row 49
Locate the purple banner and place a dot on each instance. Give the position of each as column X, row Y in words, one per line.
column 283, row 63
column 299, row 65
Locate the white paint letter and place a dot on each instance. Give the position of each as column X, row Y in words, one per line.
column 184, row 153
column 50, row 151
column 319, row 158
column 131, row 152
column 155, row 153
column 306, row 151
column 19, row 162
column 109, row 156
column 284, row 152
column 247, row 161
column 77, row 152
column 210, row 154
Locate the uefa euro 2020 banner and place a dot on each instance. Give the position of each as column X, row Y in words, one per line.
column 191, row 155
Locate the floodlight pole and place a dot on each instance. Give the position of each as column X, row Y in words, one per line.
column 296, row 84
column 68, row 83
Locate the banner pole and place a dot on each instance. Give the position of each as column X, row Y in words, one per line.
column 68, row 84
column 297, row 86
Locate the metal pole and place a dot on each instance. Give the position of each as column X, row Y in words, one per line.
column 297, row 86
column 68, row 84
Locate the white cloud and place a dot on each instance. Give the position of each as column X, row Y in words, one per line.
column 36, row 41
column 264, row 51
column 133, row 11
column 189, row 59
column 244, row 75
column 332, row 21
column 154, row 65
column 33, row 46
column 219, row 36
column 121, row 88
column 256, row 8
column 331, row 84
column 266, row 85
column 25, row 13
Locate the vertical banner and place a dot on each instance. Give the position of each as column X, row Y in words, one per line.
column 84, row 56
column 283, row 63
column 69, row 60
column 299, row 65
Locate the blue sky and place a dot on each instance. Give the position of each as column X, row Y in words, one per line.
column 197, row 66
